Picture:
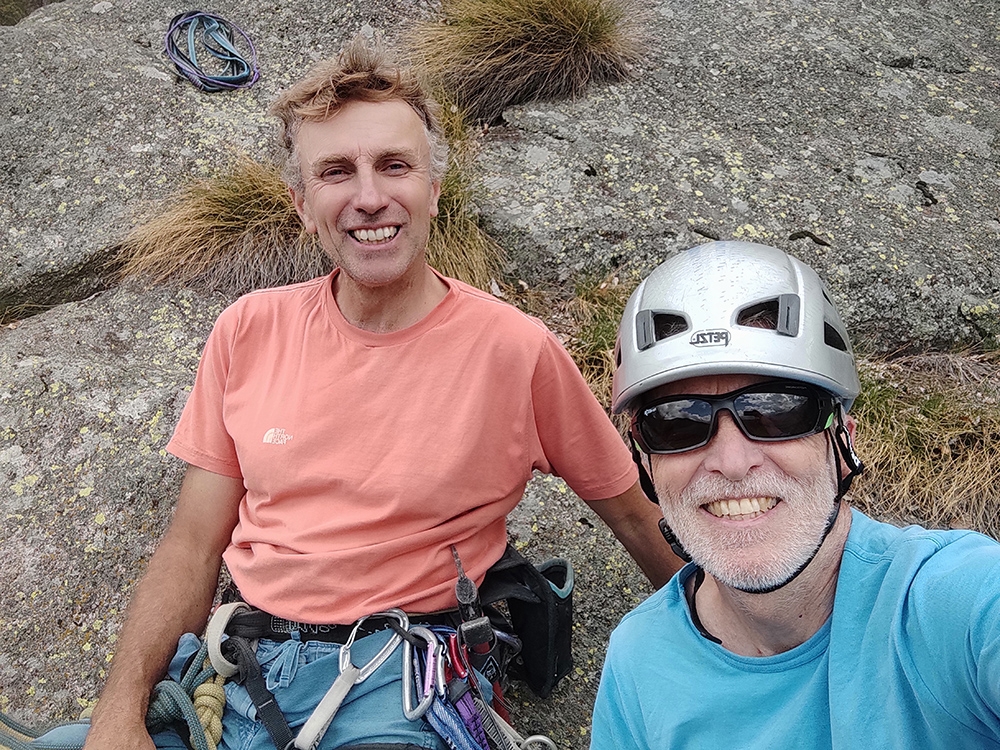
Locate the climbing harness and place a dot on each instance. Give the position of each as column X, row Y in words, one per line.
column 443, row 657
column 216, row 38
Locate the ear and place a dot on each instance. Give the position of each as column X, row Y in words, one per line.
column 435, row 194
column 850, row 426
column 299, row 199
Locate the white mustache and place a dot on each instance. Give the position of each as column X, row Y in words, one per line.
column 712, row 487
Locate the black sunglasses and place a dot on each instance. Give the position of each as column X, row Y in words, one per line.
column 767, row 412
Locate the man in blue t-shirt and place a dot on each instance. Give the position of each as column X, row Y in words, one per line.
column 799, row 623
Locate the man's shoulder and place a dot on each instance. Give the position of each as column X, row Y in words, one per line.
column 875, row 540
column 277, row 300
column 931, row 565
column 475, row 299
column 489, row 308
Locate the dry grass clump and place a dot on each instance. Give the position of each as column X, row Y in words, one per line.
column 234, row 232
column 928, row 430
column 490, row 54
column 458, row 246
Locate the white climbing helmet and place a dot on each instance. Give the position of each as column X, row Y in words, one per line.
column 732, row 308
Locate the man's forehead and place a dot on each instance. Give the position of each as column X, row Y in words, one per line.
column 706, row 385
column 365, row 127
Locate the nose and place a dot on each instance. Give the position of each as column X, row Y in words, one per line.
column 370, row 196
column 730, row 453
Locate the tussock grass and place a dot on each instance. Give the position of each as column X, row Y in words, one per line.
column 928, row 431
column 490, row 54
column 233, row 232
column 458, row 246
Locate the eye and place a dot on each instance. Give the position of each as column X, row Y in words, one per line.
column 396, row 167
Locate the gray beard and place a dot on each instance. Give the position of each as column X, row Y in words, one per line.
column 756, row 559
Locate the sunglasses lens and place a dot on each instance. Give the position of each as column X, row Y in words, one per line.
column 676, row 425
column 777, row 415
column 779, row 411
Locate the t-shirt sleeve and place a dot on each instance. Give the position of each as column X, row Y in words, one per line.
column 578, row 440
column 984, row 640
column 201, row 438
column 612, row 725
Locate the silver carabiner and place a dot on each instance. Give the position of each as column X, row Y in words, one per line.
column 538, row 739
column 434, row 649
column 319, row 721
column 380, row 658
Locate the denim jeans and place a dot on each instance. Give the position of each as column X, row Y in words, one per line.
column 299, row 673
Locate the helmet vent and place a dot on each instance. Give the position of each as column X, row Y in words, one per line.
column 651, row 327
column 760, row 315
column 780, row 314
column 832, row 337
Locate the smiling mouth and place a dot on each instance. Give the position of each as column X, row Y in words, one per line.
column 374, row 236
column 742, row 509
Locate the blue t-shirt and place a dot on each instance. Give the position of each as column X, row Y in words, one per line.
column 909, row 659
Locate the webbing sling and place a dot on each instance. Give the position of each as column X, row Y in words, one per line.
column 238, row 650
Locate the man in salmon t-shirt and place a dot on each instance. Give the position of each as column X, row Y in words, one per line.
column 346, row 433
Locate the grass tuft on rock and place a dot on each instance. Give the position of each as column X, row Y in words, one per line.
column 233, row 232
column 458, row 246
column 928, row 430
column 491, row 54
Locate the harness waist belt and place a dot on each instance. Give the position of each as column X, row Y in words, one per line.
column 260, row 624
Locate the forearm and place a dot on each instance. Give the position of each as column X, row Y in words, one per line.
column 634, row 521
column 174, row 597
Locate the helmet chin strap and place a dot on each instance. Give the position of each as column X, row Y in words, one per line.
column 843, row 449
column 646, row 482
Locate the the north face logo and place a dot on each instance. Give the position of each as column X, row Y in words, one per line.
column 276, row 436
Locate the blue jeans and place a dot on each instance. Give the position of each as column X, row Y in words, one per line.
column 299, row 674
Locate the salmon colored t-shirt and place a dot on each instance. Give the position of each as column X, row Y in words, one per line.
column 365, row 456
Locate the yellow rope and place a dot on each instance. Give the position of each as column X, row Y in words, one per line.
column 209, row 702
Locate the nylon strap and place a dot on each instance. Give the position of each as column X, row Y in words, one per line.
column 251, row 678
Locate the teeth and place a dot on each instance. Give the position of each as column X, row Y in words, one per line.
column 375, row 235
column 744, row 508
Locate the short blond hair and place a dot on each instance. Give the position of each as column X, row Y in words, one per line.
column 361, row 72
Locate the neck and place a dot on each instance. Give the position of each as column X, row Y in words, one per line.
column 767, row 624
column 391, row 307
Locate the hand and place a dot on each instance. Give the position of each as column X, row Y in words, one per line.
column 107, row 735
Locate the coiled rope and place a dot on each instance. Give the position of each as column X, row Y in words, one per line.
column 217, row 38
column 198, row 700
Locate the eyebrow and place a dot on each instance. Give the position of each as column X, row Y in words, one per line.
column 331, row 160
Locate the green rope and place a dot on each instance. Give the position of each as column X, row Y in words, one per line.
column 174, row 701
column 169, row 703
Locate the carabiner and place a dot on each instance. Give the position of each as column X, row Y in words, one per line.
column 410, row 711
column 379, row 659
column 315, row 727
column 456, row 657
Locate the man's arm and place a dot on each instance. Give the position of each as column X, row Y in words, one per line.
column 634, row 520
column 174, row 597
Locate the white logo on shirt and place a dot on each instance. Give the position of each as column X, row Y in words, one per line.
column 276, row 436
